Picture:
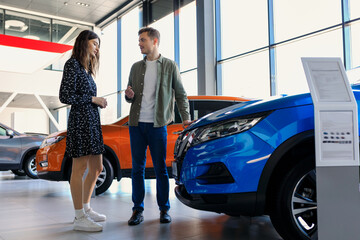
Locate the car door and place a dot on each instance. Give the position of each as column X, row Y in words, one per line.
column 10, row 149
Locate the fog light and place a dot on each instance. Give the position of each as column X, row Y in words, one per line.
column 216, row 174
column 43, row 164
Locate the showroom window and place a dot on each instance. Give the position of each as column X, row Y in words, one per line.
column 187, row 33
column 355, row 44
column 65, row 33
column 290, row 73
column 354, row 6
column 243, row 26
column 106, row 78
column 189, row 80
column 1, row 21
column 296, row 18
column 162, row 18
column 130, row 51
column 247, row 76
column 243, row 56
column 188, row 46
column 27, row 26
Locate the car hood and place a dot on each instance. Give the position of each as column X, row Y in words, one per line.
column 252, row 107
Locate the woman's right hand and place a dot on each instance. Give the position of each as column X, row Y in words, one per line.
column 100, row 101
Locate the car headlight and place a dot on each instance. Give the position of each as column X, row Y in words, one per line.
column 51, row 140
column 226, row 128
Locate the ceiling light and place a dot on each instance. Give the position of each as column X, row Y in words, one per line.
column 32, row 37
column 83, row 4
column 15, row 25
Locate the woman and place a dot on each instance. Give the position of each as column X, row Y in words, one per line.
column 84, row 142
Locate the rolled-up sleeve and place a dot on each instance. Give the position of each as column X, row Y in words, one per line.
column 69, row 94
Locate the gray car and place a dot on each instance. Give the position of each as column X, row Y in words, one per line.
column 18, row 151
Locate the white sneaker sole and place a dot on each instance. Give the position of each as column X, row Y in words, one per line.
column 98, row 219
column 85, row 229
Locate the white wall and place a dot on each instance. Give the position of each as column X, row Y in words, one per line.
column 25, row 119
column 43, row 82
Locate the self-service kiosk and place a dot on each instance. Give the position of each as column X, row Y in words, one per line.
column 337, row 149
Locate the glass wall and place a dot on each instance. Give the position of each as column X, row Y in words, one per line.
column 27, row 26
column 244, row 26
column 291, row 29
column 162, row 18
column 189, row 80
column 130, row 51
column 296, row 18
column 247, row 76
column 166, row 29
column 188, row 46
column 354, row 9
column 1, row 21
column 41, row 28
column 188, row 40
column 106, row 79
column 290, row 73
column 65, row 33
column 355, row 44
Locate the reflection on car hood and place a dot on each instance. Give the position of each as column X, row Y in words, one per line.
column 251, row 107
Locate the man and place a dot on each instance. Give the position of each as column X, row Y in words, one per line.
column 153, row 84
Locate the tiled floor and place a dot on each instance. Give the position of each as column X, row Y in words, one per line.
column 37, row 209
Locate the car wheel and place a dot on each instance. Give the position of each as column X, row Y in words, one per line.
column 294, row 209
column 19, row 172
column 105, row 178
column 30, row 166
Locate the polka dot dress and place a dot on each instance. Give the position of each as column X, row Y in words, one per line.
column 84, row 135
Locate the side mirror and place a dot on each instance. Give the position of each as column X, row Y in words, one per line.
column 10, row 133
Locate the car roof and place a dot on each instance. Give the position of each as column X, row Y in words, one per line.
column 218, row 98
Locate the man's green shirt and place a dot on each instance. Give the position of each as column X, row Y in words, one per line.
column 168, row 88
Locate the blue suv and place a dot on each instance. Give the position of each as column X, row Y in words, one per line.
column 253, row 158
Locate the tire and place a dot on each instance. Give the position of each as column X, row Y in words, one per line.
column 30, row 166
column 294, row 209
column 19, row 172
column 105, row 178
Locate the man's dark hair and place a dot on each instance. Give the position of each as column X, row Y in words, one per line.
column 152, row 33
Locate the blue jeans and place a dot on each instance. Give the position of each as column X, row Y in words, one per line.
column 145, row 134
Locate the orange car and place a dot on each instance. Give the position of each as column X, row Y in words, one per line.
column 53, row 164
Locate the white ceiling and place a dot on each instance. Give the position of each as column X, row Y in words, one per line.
column 95, row 13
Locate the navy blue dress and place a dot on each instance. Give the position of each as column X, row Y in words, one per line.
column 84, row 135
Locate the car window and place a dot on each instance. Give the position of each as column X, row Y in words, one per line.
column 200, row 108
column 2, row 131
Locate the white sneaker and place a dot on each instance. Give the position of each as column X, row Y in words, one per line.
column 96, row 217
column 87, row 224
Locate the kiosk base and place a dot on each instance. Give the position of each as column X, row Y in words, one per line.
column 338, row 200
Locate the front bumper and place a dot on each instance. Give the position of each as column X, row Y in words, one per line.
column 231, row 204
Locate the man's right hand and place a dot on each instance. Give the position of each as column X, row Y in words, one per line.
column 129, row 93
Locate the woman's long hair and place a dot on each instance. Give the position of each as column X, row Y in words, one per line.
column 81, row 51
